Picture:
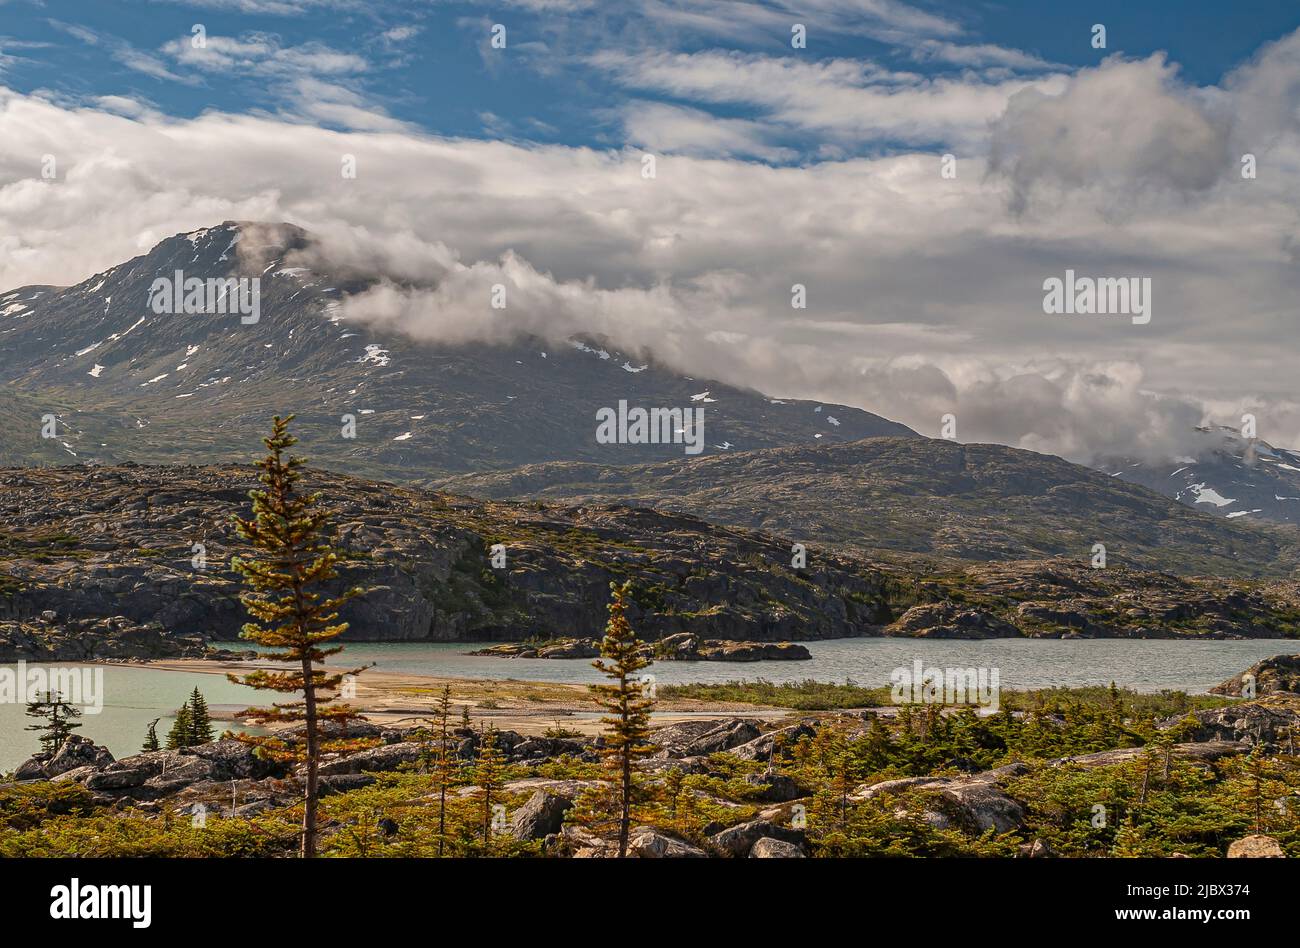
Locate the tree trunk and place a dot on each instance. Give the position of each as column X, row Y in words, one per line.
column 313, row 759
column 625, row 814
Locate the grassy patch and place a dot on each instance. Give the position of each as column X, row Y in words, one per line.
column 802, row 696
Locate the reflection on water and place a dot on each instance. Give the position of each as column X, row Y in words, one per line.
column 134, row 696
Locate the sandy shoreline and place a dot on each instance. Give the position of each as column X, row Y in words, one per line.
column 529, row 707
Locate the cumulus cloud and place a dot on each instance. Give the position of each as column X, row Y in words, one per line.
column 1118, row 129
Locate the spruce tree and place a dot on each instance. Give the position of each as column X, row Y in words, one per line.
column 200, row 725
column 446, row 764
column 58, row 724
column 291, row 564
column 179, row 735
column 151, row 737
column 489, row 775
column 628, row 723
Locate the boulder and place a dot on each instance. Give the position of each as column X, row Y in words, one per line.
column 1256, row 847
column 738, row 840
column 769, row 848
column 569, row 789
column 235, row 760
column 947, row 620
column 1205, row 750
column 982, row 806
column 1281, row 673
column 885, row 787
column 728, row 651
column 679, row 647
column 1272, row 720
column 33, row 768
column 578, row 648
column 646, row 842
column 123, row 779
column 701, row 738
column 541, row 816
column 77, row 752
column 774, row 787
column 760, row 748
column 580, row 843
column 376, row 759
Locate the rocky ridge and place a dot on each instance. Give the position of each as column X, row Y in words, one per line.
column 133, row 562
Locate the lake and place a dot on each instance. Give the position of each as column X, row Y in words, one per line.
column 134, row 696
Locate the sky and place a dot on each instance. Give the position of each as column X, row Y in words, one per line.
column 920, row 169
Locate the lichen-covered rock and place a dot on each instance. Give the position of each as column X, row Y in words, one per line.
column 541, row 816
column 700, row 738
column 646, row 842
column 769, row 848
column 738, row 840
column 1256, row 847
column 946, row 620
column 1281, row 673
column 1272, row 720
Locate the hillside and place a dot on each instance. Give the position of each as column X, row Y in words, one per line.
column 93, row 554
column 128, row 384
column 922, row 496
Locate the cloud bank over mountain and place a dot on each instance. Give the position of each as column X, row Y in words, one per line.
column 924, row 292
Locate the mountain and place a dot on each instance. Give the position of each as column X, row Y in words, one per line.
column 1231, row 476
column 921, row 496
column 127, row 383
column 84, row 549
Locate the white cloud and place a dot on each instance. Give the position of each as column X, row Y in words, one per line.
column 262, row 54
column 670, row 128
column 1119, row 128
column 840, row 99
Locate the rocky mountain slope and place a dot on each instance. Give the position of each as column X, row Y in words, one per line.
column 106, row 542
column 1232, row 477
column 124, row 383
column 128, row 384
column 133, row 561
column 974, row 502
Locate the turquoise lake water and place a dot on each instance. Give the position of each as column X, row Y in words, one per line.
column 133, row 696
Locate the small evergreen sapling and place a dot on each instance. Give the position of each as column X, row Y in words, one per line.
column 58, row 724
column 179, row 735
column 489, row 774
column 151, row 737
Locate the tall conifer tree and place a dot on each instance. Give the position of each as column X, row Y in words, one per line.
column 291, row 563
column 627, row 731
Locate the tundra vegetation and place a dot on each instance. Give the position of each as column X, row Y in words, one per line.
column 1079, row 772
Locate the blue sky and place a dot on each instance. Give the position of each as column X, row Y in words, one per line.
column 425, row 63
